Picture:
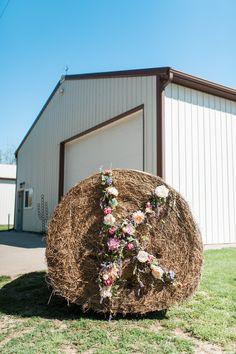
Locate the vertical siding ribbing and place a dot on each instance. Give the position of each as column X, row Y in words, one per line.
column 200, row 134
column 84, row 104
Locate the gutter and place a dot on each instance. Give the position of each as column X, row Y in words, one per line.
column 205, row 86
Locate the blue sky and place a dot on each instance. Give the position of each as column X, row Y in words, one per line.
column 38, row 38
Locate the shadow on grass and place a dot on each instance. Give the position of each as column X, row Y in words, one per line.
column 28, row 295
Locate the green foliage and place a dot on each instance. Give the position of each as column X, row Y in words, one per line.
column 4, row 279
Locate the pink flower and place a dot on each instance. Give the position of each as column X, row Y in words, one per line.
column 107, row 172
column 130, row 246
column 113, row 244
column 108, row 282
column 150, row 258
column 107, row 210
column 128, row 229
column 148, row 208
column 112, row 230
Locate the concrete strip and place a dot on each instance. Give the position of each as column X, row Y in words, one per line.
column 21, row 253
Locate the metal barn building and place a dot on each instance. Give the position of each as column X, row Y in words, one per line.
column 159, row 120
column 7, row 193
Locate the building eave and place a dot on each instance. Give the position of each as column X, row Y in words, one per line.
column 164, row 73
column 196, row 83
column 37, row 118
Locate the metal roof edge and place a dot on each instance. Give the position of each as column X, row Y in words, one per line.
column 121, row 73
column 203, row 85
column 108, row 74
column 177, row 77
column 38, row 116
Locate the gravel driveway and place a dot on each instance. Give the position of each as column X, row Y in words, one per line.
column 21, row 252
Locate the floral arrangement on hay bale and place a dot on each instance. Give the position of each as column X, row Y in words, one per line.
column 123, row 241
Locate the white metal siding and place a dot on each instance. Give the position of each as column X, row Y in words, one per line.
column 7, row 171
column 117, row 145
column 200, row 149
column 7, row 201
column 85, row 103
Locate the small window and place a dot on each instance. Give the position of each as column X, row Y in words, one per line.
column 28, row 198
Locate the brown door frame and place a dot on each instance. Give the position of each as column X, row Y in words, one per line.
column 96, row 127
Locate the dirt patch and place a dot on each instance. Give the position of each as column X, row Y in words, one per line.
column 157, row 327
column 14, row 335
column 59, row 325
column 200, row 346
column 67, row 349
column 7, row 323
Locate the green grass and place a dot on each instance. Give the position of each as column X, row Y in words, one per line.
column 5, row 227
column 28, row 325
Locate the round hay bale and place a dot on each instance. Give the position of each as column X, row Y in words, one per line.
column 73, row 246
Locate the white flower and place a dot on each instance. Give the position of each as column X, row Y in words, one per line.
column 105, row 276
column 162, row 191
column 142, row 256
column 105, row 292
column 138, row 217
column 157, row 271
column 112, row 191
column 109, row 219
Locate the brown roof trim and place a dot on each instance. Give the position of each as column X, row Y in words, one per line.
column 7, row 179
column 100, row 75
column 38, row 116
column 199, row 84
column 85, row 132
column 178, row 77
column 117, row 74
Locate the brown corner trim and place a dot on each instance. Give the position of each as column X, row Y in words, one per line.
column 61, row 171
column 85, row 132
column 159, row 134
column 161, row 83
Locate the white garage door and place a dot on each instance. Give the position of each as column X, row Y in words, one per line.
column 7, row 201
column 117, row 145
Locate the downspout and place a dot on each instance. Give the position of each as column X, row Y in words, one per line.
column 162, row 80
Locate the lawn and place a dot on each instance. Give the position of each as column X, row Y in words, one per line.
column 204, row 324
column 5, row 227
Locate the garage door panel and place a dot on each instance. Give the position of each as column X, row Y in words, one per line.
column 117, row 145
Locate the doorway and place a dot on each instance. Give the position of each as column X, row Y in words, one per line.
column 20, row 200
